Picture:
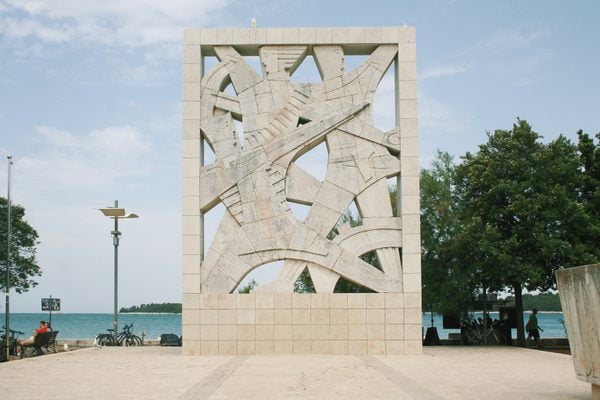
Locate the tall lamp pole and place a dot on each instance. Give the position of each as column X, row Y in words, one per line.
column 116, row 213
column 8, row 262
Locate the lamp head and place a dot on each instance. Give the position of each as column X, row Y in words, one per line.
column 113, row 212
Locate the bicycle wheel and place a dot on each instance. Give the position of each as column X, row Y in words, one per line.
column 133, row 340
column 469, row 338
column 107, row 340
column 121, row 339
column 501, row 338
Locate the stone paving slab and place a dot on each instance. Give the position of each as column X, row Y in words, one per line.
column 442, row 373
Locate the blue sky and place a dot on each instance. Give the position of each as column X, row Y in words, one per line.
column 90, row 110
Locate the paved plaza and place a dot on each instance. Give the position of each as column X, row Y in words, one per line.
column 163, row 373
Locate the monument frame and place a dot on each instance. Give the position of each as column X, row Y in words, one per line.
column 281, row 323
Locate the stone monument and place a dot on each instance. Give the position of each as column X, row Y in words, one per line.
column 256, row 177
column 579, row 290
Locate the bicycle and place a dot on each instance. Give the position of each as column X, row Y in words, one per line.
column 12, row 340
column 125, row 337
column 472, row 333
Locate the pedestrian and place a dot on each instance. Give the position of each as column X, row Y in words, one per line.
column 41, row 329
column 533, row 329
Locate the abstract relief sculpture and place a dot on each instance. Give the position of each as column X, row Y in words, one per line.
column 256, row 177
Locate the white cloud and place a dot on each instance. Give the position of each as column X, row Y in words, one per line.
column 528, row 81
column 111, row 22
column 60, row 181
column 436, row 116
column 443, row 70
column 21, row 28
column 511, row 38
column 97, row 159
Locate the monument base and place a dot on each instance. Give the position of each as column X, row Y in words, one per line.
column 316, row 323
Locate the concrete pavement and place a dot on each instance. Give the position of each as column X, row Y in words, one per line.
column 163, row 373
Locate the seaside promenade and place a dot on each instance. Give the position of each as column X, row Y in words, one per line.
column 442, row 373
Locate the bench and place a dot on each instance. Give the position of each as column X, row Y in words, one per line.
column 46, row 340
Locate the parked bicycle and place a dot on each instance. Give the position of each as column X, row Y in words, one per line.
column 12, row 340
column 473, row 333
column 125, row 337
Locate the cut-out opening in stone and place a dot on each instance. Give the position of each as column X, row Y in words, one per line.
column 371, row 258
column 254, row 62
column 392, row 184
column 344, row 285
column 299, row 210
column 351, row 217
column 229, row 90
column 401, row 259
column 304, row 283
column 209, row 62
column 384, row 102
column 353, row 61
column 208, row 153
column 306, row 72
column 261, row 275
column 314, row 161
column 212, row 220
column 302, row 121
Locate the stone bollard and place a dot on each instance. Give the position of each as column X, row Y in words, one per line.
column 579, row 290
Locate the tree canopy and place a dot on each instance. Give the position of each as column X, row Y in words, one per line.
column 446, row 287
column 508, row 216
column 24, row 239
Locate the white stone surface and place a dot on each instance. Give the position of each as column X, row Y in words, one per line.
column 444, row 373
column 255, row 174
column 373, row 323
column 580, row 299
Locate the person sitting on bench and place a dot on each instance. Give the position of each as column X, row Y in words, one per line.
column 42, row 329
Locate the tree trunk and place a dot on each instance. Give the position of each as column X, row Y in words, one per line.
column 519, row 313
column 485, row 336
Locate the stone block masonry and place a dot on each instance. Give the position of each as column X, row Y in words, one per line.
column 255, row 175
column 316, row 323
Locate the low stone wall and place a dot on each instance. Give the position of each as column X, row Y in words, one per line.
column 579, row 290
column 318, row 323
column 83, row 343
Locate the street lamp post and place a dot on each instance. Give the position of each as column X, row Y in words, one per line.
column 8, row 262
column 116, row 213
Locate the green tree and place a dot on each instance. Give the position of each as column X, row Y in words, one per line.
column 521, row 212
column 174, row 308
column 247, row 288
column 590, row 191
column 447, row 283
column 24, row 239
column 304, row 283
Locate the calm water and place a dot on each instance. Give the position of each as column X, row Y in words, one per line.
column 87, row 326
column 550, row 322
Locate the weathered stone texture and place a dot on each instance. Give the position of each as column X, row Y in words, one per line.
column 255, row 175
column 579, row 290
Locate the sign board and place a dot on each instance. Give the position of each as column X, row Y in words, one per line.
column 50, row 304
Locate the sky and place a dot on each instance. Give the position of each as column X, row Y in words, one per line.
column 90, row 109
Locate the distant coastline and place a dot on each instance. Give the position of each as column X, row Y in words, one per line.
column 147, row 312
column 153, row 308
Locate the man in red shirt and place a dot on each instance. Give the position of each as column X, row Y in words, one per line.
column 41, row 329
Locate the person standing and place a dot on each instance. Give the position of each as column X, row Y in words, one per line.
column 533, row 329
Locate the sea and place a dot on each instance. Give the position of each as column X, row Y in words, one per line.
column 89, row 325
